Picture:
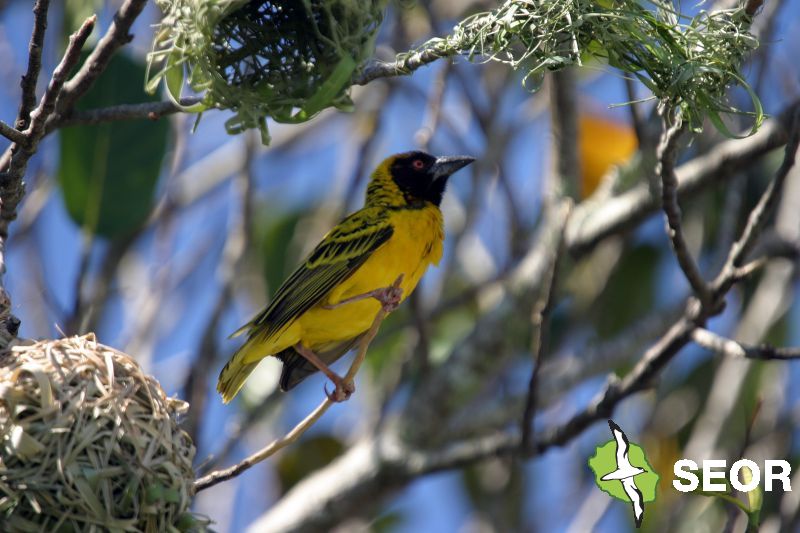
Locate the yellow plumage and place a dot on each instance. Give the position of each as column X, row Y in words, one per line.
column 399, row 231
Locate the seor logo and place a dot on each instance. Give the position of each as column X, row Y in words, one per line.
column 621, row 470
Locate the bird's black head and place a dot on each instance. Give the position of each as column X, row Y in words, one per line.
column 421, row 176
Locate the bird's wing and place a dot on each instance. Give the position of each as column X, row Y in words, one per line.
column 622, row 446
column 345, row 248
column 636, row 497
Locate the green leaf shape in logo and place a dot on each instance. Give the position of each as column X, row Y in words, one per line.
column 604, row 461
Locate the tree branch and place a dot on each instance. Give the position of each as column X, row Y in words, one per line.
column 11, row 186
column 731, row 348
column 540, row 321
column 148, row 110
column 562, row 89
column 12, row 134
column 591, row 223
column 755, row 221
column 31, row 76
column 116, row 36
column 665, row 168
column 402, row 66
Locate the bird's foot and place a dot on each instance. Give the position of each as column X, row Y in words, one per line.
column 342, row 391
column 389, row 297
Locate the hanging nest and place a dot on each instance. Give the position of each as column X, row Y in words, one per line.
column 90, row 442
column 688, row 62
column 284, row 59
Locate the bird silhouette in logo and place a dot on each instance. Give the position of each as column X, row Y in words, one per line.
column 626, row 473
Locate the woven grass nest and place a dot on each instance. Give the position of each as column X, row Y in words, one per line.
column 283, row 59
column 90, row 443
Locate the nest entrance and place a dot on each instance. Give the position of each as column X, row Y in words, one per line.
column 289, row 59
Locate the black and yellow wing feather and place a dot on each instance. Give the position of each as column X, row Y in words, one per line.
column 343, row 250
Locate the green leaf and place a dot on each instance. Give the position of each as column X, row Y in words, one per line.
column 108, row 172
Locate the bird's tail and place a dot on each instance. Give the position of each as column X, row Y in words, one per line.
column 235, row 372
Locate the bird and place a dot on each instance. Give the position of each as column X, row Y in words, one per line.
column 329, row 302
column 626, row 473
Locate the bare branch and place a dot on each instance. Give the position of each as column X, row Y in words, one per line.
column 218, row 476
column 11, row 186
column 148, row 110
column 402, row 66
column 591, row 223
column 755, row 221
column 665, row 168
column 12, row 134
column 31, row 76
column 540, row 321
column 730, row 348
column 116, row 36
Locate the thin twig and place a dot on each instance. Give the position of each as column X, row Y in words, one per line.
column 667, row 154
column 730, row 348
column 147, row 110
column 12, row 134
column 755, row 221
column 118, row 34
column 12, row 188
column 31, row 76
column 591, row 223
column 218, row 476
column 540, row 321
column 402, row 66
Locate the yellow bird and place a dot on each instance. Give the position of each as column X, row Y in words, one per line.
column 331, row 300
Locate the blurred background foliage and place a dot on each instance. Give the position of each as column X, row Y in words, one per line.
column 164, row 240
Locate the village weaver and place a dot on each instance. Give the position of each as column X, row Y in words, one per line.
column 331, row 300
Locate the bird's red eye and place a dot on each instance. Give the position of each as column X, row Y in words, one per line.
column 418, row 164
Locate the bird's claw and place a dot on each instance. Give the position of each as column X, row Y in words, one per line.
column 342, row 391
column 389, row 297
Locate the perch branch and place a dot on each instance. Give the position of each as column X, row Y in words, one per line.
column 218, row 476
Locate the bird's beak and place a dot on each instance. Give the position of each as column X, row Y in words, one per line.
column 445, row 166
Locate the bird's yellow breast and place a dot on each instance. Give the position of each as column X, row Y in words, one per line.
column 416, row 242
